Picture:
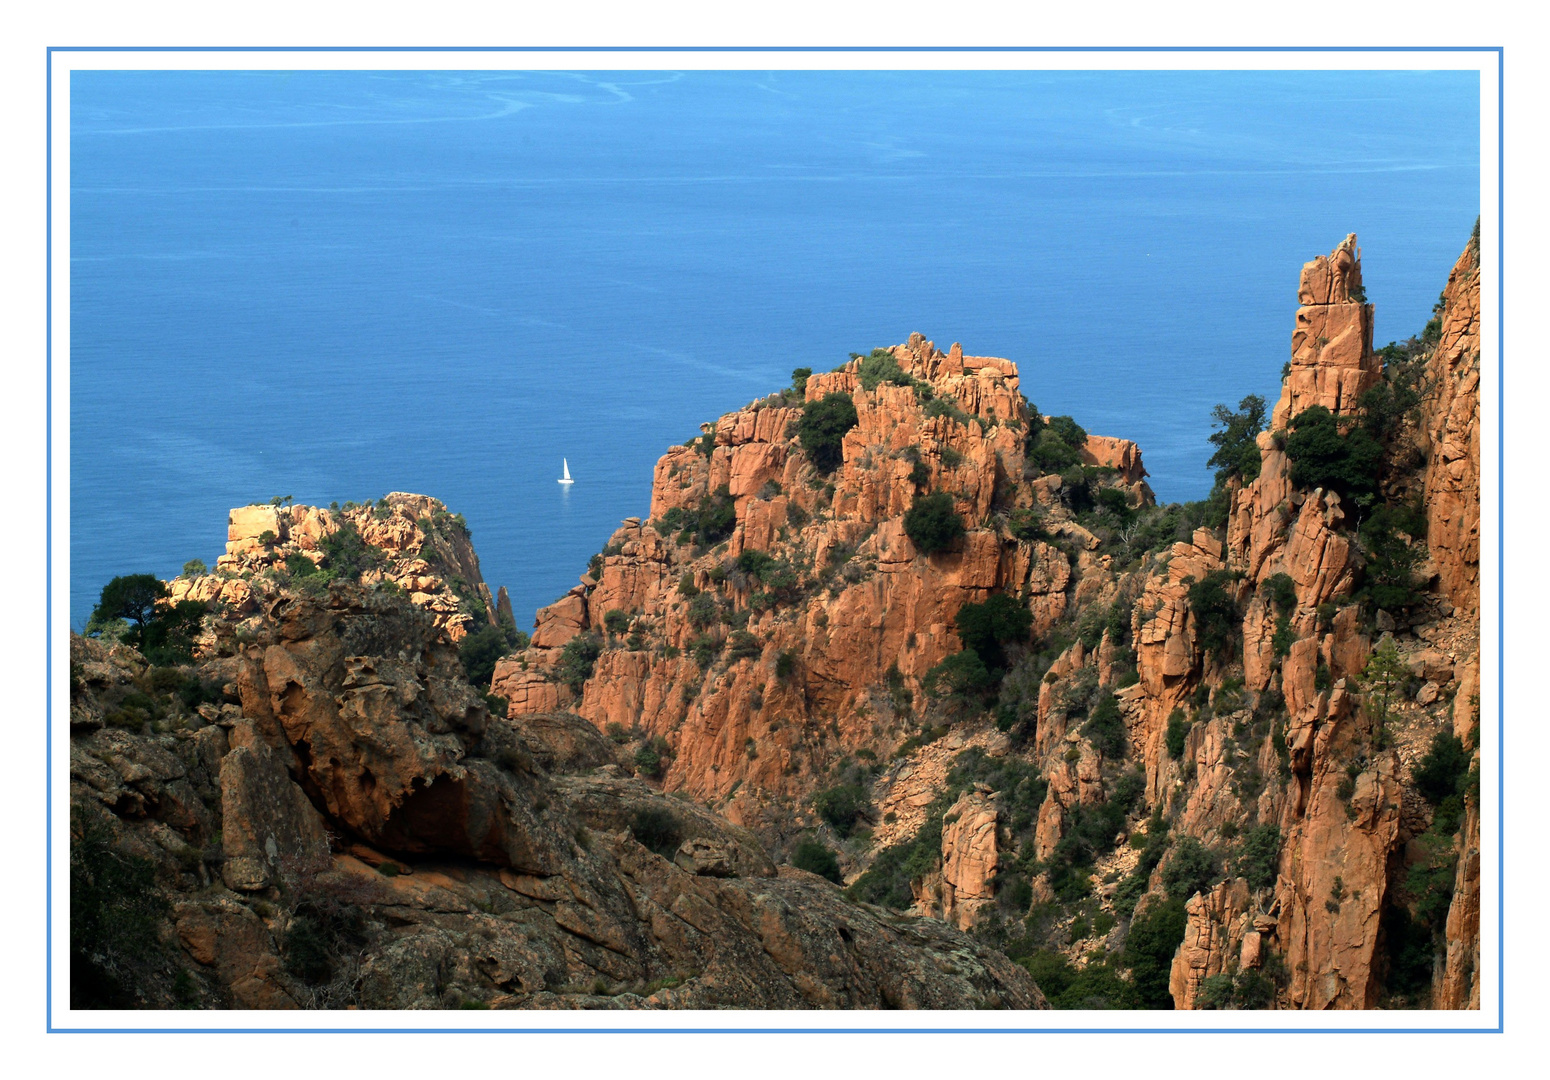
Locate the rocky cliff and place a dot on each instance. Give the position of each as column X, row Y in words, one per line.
column 1242, row 727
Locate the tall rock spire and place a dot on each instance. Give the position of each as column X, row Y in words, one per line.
column 1332, row 359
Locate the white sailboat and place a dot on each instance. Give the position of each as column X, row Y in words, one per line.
column 565, row 465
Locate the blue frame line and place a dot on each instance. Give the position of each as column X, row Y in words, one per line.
column 1501, row 546
column 1500, row 543
column 48, row 534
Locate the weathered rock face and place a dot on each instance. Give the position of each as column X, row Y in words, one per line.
column 1459, row 985
column 1452, row 435
column 348, row 748
column 1216, row 939
column 969, row 858
column 860, row 600
column 1332, row 358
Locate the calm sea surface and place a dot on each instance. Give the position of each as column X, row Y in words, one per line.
column 335, row 285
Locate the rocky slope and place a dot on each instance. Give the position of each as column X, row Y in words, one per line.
column 322, row 812
column 1187, row 740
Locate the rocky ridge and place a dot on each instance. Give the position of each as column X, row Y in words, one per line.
column 1227, row 668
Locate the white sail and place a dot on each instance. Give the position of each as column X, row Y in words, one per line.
column 565, row 465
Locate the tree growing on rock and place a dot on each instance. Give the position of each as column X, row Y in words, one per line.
column 130, row 597
column 1384, row 675
column 1237, row 449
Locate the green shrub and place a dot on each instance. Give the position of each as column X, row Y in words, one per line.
column 1280, row 592
column 516, row 640
column 1216, row 610
column 920, row 475
column 479, row 652
column 705, row 648
column 887, row 880
column 985, row 627
column 932, row 523
column 1390, row 560
column 842, row 806
column 194, row 568
column 799, row 377
column 1067, row 431
column 648, row 762
column 946, row 407
column 1149, row 947
column 616, row 621
column 1259, row 854
column 743, row 645
column 816, row 858
column 656, row 830
column 785, row 665
column 1027, row 525
column 1192, row 868
column 716, row 518
column 1105, row 727
column 1115, row 503
column 822, row 429
column 1090, row 832
column 347, row 554
column 1048, row 453
column 1096, row 985
column 299, row 566
column 321, row 934
column 963, row 676
column 882, row 367
column 116, row 913
column 577, row 660
column 1322, row 455
column 1177, row 733
column 1439, row 774
column 1247, row 989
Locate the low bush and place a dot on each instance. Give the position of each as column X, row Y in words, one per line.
column 1191, row 868
column 577, row 660
column 1105, row 726
column 822, row 429
column 1259, row 855
column 479, row 652
column 933, row 524
column 1441, row 772
column 816, row 858
column 656, row 829
column 1215, row 609
column 1176, row 735
column 1331, row 453
column 842, row 806
column 986, row 627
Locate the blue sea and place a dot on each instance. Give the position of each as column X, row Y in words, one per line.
column 332, row 285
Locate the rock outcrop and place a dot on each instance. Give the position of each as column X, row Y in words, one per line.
column 854, row 604
column 409, row 540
